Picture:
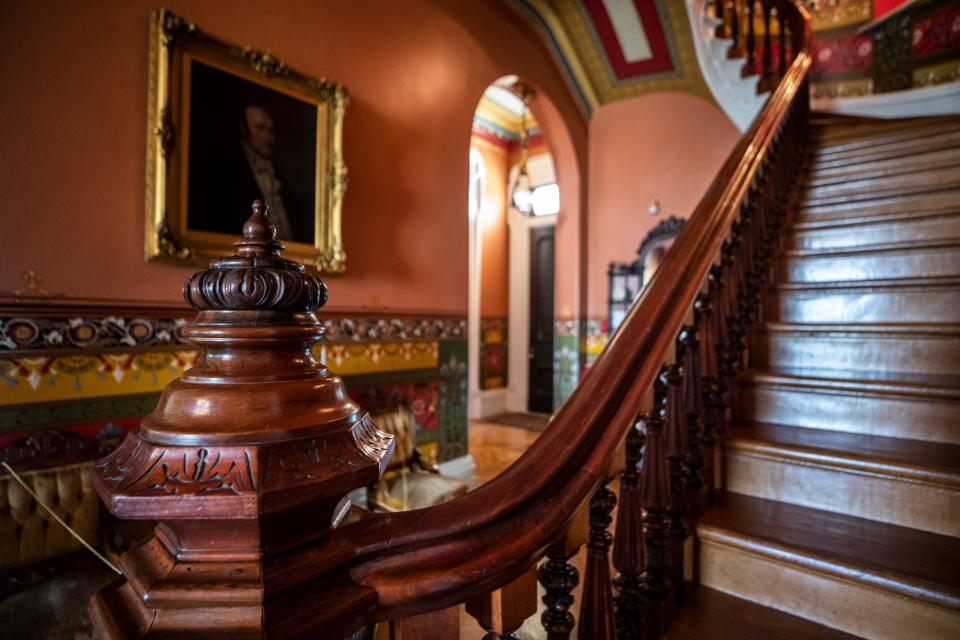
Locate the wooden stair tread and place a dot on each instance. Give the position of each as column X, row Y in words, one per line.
column 875, row 381
column 822, row 122
column 914, row 163
column 869, row 195
column 905, row 216
column 867, row 143
column 929, row 461
column 897, row 203
column 851, row 328
column 865, row 158
column 914, row 563
column 873, row 249
column 709, row 614
column 949, row 282
column 945, row 172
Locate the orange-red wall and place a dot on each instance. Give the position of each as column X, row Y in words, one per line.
column 666, row 147
column 494, row 264
column 72, row 124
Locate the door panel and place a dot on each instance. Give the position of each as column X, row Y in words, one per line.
column 541, row 320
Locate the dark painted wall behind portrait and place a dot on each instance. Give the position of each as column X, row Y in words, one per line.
column 229, row 142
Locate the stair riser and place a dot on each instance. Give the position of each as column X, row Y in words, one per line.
column 829, row 599
column 904, row 305
column 862, row 235
column 865, row 352
column 880, row 497
column 878, row 414
column 874, row 265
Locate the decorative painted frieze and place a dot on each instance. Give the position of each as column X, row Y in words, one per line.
column 42, row 333
column 97, row 375
column 39, row 333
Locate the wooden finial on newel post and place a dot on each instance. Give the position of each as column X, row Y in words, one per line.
column 250, row 454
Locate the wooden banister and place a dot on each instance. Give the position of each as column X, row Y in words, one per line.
column 276, row 552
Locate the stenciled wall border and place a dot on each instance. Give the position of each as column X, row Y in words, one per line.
column 95, row 369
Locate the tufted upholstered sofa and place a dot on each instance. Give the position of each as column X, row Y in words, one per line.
column 28, row 533
column 56, row 466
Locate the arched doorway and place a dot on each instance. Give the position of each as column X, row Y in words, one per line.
column 511, row 296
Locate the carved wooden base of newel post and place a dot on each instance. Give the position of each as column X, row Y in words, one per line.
column 248, row 456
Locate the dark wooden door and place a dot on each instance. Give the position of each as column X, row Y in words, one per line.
column 541, row 320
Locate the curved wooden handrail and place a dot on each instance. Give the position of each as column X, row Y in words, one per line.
column 427, row 559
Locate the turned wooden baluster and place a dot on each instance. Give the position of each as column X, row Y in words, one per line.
column 628, row 541
column 750, row 67
column 719, row 317
column 655, row 579
column 720, row 14
column 766, row 78
column 789, row 47
column 709, row 389
column 596, row 614
column 693, row 403
column 676, row 441
column 559, row 578
column 736, row 48
column 782, row 44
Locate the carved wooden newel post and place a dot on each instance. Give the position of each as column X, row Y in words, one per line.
column 248, row 455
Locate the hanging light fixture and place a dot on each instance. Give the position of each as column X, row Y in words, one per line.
column 521, row 194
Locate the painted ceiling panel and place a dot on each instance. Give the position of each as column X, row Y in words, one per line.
column 616, row 49
column 631, row 35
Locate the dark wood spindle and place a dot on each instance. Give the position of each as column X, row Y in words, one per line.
column 596, row 614
column 676, row 441
column 766, row 78
column 719, row 12
column 750, row 67
column 708, row 385
column 782, row 44
column 655, row 579
column 558, row 578
column 628, row 541
column 736, row 49
column 789, row 44
column 693, row 402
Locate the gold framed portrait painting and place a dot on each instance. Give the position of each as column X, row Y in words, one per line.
column 227, row 125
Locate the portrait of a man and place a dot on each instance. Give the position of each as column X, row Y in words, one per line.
column 228, row 124
column 249, row 142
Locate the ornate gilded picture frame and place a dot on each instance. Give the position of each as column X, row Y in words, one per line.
column 227, row 125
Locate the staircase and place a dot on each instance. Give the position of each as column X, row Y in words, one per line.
column 842, row 467
column 721, row 63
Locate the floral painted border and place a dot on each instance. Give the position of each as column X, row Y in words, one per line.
column 21, row 333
